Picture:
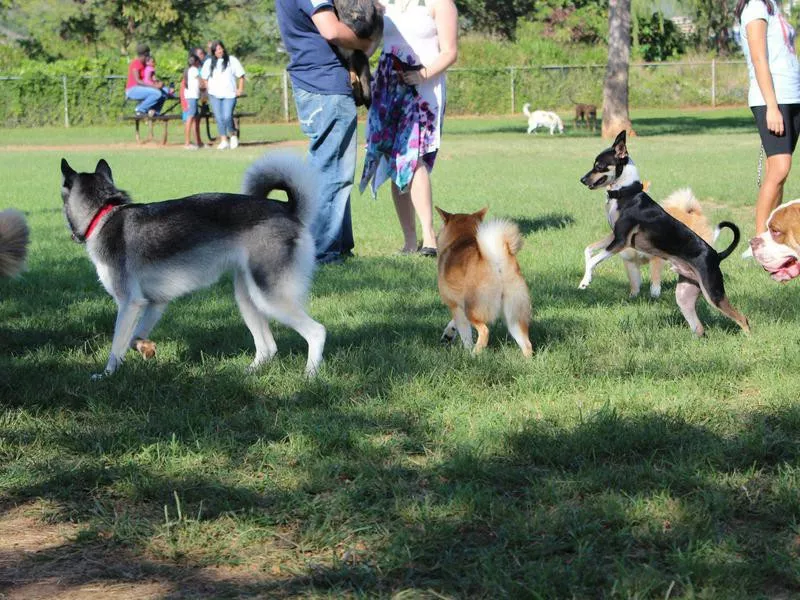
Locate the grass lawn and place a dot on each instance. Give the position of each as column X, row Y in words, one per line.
column 626, row 459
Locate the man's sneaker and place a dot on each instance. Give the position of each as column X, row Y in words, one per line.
column 223, row 145
column 151, row 113
column 234, row 142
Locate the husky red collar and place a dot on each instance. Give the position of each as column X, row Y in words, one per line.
column 106, row 208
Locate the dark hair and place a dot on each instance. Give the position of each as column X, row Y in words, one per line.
column 193, row 61
column 737, row 12
column 225, row 58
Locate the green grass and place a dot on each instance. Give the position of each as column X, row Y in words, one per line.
column 624, row 460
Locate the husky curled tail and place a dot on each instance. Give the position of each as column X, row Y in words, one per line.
column 284, row 172
column 13, row 242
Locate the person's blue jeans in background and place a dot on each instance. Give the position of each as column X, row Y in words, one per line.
column 329, row 122
column 148, row 98
column 223, row 114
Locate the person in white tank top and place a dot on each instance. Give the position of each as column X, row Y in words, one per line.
column 408, row 100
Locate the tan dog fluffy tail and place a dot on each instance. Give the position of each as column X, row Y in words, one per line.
column 684, row 206
column 497, row 239
column 683, row 199
column 13, row 242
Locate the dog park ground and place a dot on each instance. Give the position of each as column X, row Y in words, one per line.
column 626, row 459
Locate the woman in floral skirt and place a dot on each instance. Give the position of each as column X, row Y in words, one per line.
column 404, row 125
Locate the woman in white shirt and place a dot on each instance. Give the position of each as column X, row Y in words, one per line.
column 774, row 97
column 224, row 79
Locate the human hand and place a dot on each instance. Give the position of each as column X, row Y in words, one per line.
column 774, row 120
column 417, row 77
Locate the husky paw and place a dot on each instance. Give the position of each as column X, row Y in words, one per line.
column 98, row 376
column 584, row 283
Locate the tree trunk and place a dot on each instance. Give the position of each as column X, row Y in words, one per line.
column 615, row 87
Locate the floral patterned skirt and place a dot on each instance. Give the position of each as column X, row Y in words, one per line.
column 401, row 127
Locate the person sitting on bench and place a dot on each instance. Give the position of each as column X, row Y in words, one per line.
column 148, row 94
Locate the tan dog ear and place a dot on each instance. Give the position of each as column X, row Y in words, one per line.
column 646, row 185
column 446, row 216
column 481, row 213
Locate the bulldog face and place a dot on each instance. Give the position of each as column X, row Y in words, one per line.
column 778, row 248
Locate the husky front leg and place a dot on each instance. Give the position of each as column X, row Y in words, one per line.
column 151, row 315
column 128, row 316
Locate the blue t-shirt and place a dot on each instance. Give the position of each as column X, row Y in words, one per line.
column 314, row 66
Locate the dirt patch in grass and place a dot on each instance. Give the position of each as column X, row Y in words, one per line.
column 40, row 560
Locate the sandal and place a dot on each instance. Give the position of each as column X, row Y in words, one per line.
column 427, row 251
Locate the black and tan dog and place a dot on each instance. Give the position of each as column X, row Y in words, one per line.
column 365, row 18
column 639, row 222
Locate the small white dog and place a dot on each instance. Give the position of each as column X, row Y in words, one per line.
column 542, row 118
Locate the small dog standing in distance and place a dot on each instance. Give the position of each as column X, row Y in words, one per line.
column 587, row 115
column 13, row 242
column 542, row 118
column 149, row 254
column 639, row 222
column 479, row 277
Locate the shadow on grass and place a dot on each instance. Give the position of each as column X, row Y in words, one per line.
column 613, row 502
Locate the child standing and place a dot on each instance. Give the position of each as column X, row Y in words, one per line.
column 190, row 93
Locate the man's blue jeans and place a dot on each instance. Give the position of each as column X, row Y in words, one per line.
column 223, row 114
column 329, row 122
column 148, row 98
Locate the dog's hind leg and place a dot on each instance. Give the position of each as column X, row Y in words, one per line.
column 656, row 271
column 256, row 323
column 634, row 277
column 713, row 289
column 483, row 336
column 148, row 320
column 128, row 315
column 463, row 326
column 686, row 294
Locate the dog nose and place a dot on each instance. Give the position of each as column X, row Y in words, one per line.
column 756, row 243
column 585, row 179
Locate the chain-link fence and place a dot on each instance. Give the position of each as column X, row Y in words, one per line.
column 92, row 100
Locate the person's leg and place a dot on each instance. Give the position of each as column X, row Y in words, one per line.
column 770, row 195
column 329, row 122
column 422, row 199
column 149, row 98
column 216, row 108
column 228, row 104
column 405, row 214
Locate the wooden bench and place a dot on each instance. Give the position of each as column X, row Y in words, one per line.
column 167, row 115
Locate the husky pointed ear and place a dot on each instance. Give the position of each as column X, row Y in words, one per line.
column 67, row 174
column 103, row 169
column 446, row 216
column 620, row 148
column 481, row 213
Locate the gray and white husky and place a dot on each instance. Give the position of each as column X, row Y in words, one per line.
column 149, row 254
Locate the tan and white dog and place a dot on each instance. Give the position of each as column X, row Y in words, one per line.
column 479, row 278
column 778, row 248
column 542, row 118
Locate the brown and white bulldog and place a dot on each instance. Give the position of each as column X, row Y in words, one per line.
column 778, row 248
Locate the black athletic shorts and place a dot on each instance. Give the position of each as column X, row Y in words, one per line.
column 785, row 143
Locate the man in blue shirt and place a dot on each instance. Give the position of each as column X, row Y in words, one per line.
column 327, row 112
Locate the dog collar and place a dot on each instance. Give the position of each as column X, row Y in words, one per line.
column 628, row 190
column 106, row 208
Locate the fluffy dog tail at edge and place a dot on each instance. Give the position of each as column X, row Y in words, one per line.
column 727, row 224
column 683, row 199
column 497, row 239
column 13, row 242
column 526, row 109
column 288, row 172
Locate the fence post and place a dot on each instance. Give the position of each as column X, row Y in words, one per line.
column 285, row 94
column 513, row 92
column 66, row 105
column 713, row 83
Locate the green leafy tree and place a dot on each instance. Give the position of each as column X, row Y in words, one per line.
column 658, row 38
